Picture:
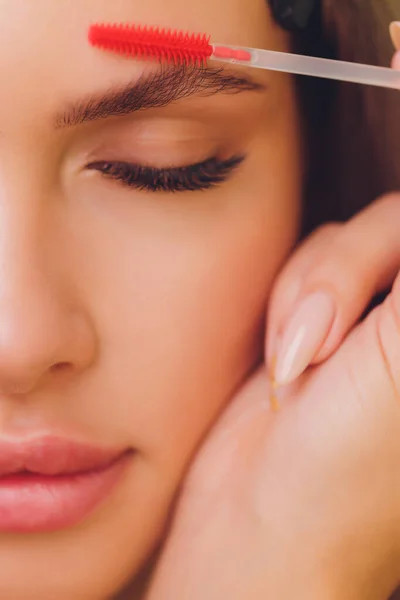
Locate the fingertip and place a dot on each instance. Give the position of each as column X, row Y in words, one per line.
column 394, row 30
column 396, row 61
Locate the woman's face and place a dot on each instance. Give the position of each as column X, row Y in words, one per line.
column 128, row 315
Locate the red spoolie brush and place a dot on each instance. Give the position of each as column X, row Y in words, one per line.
column 152, row 42
column 178, row 47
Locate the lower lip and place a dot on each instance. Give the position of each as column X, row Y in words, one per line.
column 37, row 503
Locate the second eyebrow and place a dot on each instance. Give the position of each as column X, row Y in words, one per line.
column 157, row 90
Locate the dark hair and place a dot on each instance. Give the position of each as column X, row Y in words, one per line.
column 352, row 131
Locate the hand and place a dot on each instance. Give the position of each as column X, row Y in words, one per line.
column 306, row 503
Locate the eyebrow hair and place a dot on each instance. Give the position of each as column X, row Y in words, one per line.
column 157, row 90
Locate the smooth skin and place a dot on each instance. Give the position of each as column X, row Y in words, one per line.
column 305, row 503
column 153, row 304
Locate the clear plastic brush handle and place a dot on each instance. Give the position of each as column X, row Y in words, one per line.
column 297, row 64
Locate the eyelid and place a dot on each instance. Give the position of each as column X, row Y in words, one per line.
column 158, row 153
column 158, row 156
column 149, row 140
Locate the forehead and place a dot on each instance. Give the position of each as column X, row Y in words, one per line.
column 218, row 16
column 46, row 31
column 45, row 56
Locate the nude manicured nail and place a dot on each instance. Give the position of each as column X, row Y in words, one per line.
column 395, row 34
column 303, row 336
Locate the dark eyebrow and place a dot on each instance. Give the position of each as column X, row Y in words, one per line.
column 157, row 89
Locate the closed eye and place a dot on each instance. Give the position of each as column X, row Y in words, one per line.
column 199, row 176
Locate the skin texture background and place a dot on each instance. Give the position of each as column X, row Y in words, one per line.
column 152, row 303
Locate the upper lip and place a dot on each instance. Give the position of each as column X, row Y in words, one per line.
column 50, row 455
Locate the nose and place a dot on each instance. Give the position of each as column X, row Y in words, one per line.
column 44, row 329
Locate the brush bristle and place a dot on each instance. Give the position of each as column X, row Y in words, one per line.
column 165, row 45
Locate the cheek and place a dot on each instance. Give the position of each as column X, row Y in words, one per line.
column 178, row 304
column 177, row 288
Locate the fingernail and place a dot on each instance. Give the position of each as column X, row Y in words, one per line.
column 395, row 34
column 303, row 336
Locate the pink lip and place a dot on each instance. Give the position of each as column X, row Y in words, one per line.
column 51, row 483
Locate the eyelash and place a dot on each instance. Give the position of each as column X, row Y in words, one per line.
column 200, row 176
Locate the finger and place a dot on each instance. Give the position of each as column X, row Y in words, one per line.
column 395, row 34
column 289, row 283
column 373, row 355
column 396, row 61
column 388, row 330
column 361, row 260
